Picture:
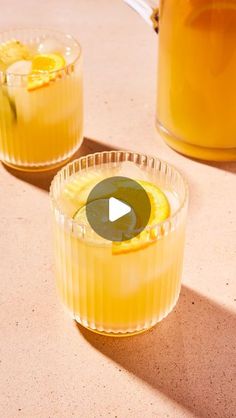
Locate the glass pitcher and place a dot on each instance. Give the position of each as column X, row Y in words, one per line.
column 196, row 81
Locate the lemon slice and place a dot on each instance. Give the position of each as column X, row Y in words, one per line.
column 75, row 195
column 98, row 211
column 160, row 211
column 44, row 69
column 11, row 52
column 76, row 192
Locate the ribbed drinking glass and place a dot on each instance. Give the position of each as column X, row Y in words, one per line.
column 112, row 289
column 41, row 114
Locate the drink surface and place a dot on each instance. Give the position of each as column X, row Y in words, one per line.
column 196, row 75
column 117, row 287
column 40, row 100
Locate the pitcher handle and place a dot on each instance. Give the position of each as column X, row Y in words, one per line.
column 146, row 9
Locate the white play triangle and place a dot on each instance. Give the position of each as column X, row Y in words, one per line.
column 117, row 209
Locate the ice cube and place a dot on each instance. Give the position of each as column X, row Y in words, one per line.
column 21, row 67
column 133, row 171
column 50, row 46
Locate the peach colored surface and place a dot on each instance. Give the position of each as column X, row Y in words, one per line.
column 49, row 367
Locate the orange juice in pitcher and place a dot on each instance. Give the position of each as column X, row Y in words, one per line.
column 196, row 100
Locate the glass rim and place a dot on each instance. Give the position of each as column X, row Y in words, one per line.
column 74, row 223
column 43, row 29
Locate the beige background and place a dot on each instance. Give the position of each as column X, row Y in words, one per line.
column 49, row 367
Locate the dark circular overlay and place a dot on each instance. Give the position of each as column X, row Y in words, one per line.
column 124, row 190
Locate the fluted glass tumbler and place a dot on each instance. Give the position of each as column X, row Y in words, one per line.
column 118, row 288
column 41, row 103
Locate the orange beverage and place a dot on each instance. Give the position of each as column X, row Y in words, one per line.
column 119, row 288
column 196, row 100
column 41, row 101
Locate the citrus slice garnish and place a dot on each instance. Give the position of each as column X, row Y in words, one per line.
column 160, row 211
column 97, row 208
column 75, row 196
column 44, row 69
column 11, row 52
column 76, row 191
column 160, row 207
column 48, row 62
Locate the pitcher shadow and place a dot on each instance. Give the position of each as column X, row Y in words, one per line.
column 43, row 179
column 226, row 166
column 190, row 356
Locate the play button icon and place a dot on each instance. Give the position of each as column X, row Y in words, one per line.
column 118, row 208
